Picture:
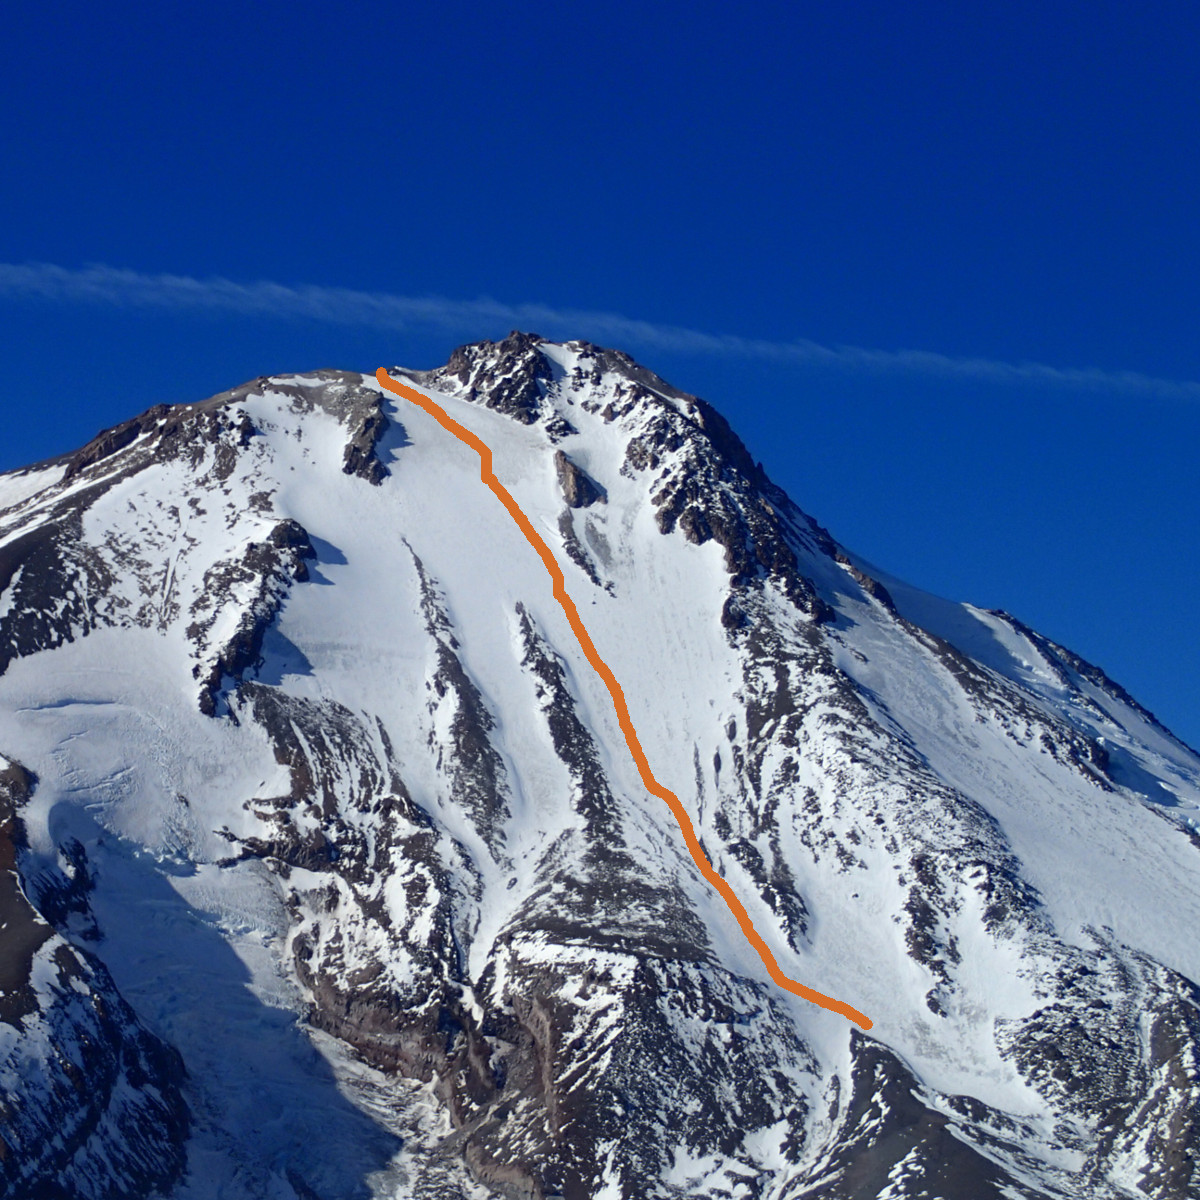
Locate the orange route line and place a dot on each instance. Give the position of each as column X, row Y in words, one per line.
column 736, row 907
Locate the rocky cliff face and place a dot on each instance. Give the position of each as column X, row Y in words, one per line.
column 90, row 1101
column 330, row 874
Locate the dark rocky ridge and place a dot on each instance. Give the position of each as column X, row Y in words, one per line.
column 270, row 567
column 510, row 377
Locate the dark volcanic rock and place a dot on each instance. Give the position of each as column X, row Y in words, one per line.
column 268, row 568
column 90, row 1103
column 361, row 456
column 888, row 1136
column 579, row 489
column 22, row 930
column 509, row 376
column 109, row 441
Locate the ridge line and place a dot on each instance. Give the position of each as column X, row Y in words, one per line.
column 715, row 880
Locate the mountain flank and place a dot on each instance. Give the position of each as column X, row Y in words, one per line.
column 325, row 870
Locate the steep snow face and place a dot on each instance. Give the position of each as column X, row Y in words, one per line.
column 325, row 801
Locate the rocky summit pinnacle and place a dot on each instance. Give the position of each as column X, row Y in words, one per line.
column 327, row 872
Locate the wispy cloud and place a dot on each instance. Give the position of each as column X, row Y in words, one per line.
column 117, row 287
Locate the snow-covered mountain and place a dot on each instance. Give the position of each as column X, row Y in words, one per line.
column 326, row 870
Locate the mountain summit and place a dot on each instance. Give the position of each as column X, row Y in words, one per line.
column 328, row 873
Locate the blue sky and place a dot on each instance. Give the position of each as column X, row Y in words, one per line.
column 987, row 185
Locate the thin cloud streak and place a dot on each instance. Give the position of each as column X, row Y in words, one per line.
column 120, row 288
